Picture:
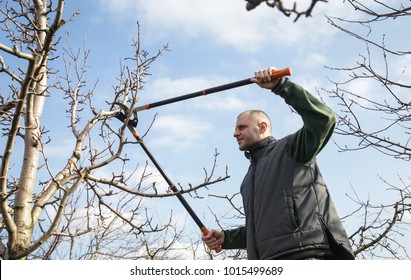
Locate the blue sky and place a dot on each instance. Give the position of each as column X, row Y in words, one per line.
column 215, row 42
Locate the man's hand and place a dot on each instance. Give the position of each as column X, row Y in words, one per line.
column 264, row 80
column 213, row 239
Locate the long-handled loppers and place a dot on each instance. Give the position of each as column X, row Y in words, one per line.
column 132, row 123
column 275, row 74
column 131, row 126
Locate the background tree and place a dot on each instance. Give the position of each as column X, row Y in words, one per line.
column 385, row 67
column 389, row 106
column 91, row 207
column 287, row 9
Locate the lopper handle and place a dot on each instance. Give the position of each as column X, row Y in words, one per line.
column 204, row 230
column 276, row 74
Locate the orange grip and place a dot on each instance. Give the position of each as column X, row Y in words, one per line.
column 275, row 74
column 204, row 230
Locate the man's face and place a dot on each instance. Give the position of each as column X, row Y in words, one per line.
column 246, row 131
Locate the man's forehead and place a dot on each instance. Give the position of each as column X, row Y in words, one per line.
column 244, row 115
column 243, row 118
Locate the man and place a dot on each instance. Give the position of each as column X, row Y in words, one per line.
column 289, row 213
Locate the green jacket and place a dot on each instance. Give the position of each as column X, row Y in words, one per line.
column 289, row 213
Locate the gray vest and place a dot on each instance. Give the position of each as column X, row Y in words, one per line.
column 288, row 207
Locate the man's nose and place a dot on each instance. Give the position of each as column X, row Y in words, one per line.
column 235, row 134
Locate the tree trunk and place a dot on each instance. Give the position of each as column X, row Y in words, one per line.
column 34, row 102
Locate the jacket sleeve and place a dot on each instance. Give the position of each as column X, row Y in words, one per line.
column 235, row 239
column 319, row 121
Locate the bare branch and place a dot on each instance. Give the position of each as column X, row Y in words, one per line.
column 285, row 10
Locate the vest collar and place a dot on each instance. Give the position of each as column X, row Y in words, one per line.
column 257, row 149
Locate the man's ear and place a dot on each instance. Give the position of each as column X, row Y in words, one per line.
column 263, row 127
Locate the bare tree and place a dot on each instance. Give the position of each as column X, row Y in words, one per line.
column 82, row 211
column 92, row 206
column 284, row 8
column 390, row 131
column 383, row 226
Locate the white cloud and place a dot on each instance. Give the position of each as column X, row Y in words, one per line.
column 166, row 87
column 186, row 131
column 60, row 150
column 224, row 103
column 126, row 7
column 313, row 59
column 362, row 87
column 226, row 22
column 399, row 69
